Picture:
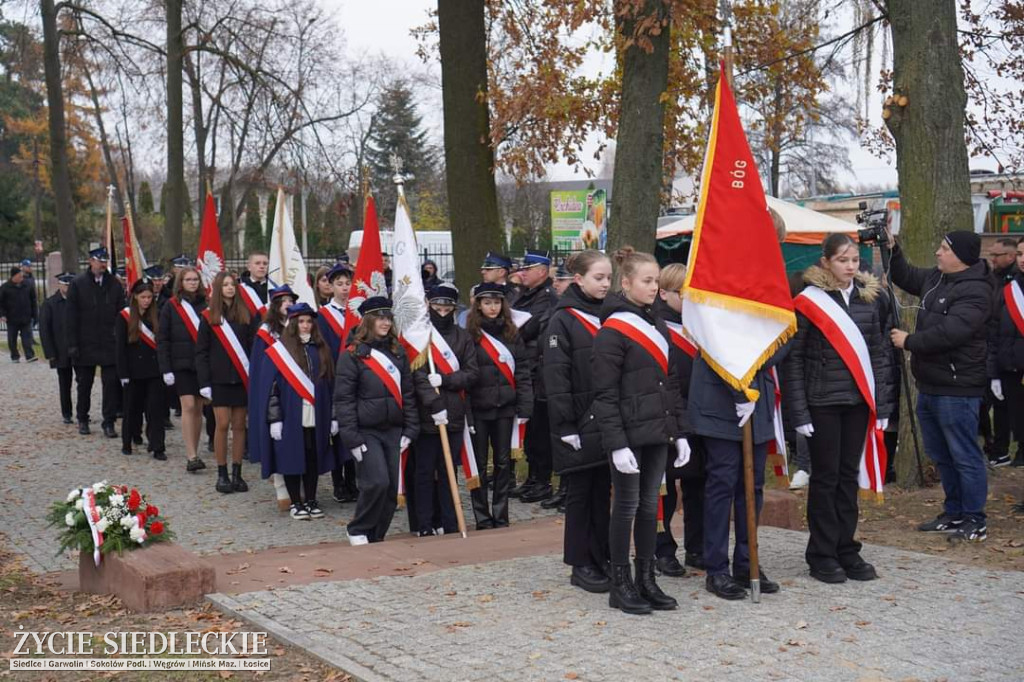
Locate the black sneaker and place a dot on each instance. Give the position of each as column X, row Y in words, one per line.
column 999, row 461
column 970, row 530
column 160, row 455
column 426, row 533
column 943, row 523
column 315, row 512
column 32, row 359
column 339, row 494
column 299, row 512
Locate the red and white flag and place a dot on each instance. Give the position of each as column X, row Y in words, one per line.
column 1014, row 298
column 210, row 259
column 468, row 457
column 368, row 280
column 134, row 261
column 409, row 304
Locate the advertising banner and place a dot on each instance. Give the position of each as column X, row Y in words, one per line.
column 579, row 219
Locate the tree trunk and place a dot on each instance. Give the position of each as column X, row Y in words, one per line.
column 776, row 162
column 108, row 155
column 175, row 132
column 931, row 152
column 639, row 145
column 469, row 157
column 60, row 174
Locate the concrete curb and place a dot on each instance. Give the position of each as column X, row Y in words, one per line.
column 288, row 636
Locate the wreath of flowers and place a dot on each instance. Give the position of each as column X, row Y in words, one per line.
column 113, row 517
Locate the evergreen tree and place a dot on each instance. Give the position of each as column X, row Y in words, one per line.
column 254, row 240
column 146, row 206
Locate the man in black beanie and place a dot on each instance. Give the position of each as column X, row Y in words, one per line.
column 948, row 356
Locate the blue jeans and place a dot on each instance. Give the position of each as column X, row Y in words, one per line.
column 949, row 427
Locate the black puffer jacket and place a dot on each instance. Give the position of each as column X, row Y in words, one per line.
column 683, row 362
column 362, row 401
column 134, row 360
column 540, row 303
column 92, row 310
column 492, row 397
column 814, row 374
column 568, row 375
column 949, row 347
column 213, row 364
column 1005, row 343
column 175, row 348
column 636, row 403
column 53, row 330
column 18, row 302
column 453, row 396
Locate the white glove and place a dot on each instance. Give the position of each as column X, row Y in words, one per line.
column 277, row 430
column 334, row 427
column 206, row 392
column 124, row 382
column 434, row 379
column 805, row 430
column 357, row 453
column 682, row 452
column 472, row 430
column 440, row 417
column 997, row 388
column 624, row 461
column 744, row 410
column 881, row 424
column 573, row 441
column 404, row 443
column 169, row 379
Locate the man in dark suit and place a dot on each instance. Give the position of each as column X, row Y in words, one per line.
column 54, row 334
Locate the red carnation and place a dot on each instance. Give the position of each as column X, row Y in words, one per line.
column 156, row 528
column 152, row 511
column 142, row 520
column 134, row 500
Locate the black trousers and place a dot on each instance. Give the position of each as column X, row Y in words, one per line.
column 64, row 375
column 84, row 375
column 345, row 475
column 996, row 431
column 538, row 443
column 144, row 396
column 377, row 475
column 1013, row 406
column 494, row 435
column 431, row 482
column 836, row 447
column 310, row 477
column 24, row 330
column 724, row 494
column 587, row 516
column 635, row 506
column 692, row 488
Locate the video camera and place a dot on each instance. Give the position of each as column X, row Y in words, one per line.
column 876, row 222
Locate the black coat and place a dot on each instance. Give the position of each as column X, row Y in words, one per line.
column 92, row 311
column 492, row 397
column 814, row 374
column 569, row 383
column 635, row 402
column 539, row 302
column 454, row 395
column 18, row 302
column 949, row 347
column 1005, row 343
column 362, row 401
column 134, row 360
column 683, row 362
column 175, row 348
column 53, row 331
column 213, row 364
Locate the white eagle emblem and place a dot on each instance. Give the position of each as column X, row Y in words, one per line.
column 209, row 264
column 377, row 286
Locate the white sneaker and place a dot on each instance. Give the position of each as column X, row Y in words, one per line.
column 357, row 540
column 439, row 531
column 800, row 480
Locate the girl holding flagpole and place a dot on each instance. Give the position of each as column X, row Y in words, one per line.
column 1006, row 351
column 135, row 343
column 222, row 366
column 176, row 350
column 375, row 406
column 501, row 398
column 636, row 405
column 838, row 387
column 299, row 411
column 578, row 457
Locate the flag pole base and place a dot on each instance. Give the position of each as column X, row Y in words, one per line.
column 755, row 590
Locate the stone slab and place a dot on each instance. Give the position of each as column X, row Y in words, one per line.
column 781, row 510
column 159, row 577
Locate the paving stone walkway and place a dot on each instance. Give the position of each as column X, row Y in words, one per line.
column 41, row 459
column 516, row 620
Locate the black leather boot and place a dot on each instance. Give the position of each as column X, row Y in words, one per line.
column 648, row 588
column 624, row 595
column 237, row 484
column 223, row 482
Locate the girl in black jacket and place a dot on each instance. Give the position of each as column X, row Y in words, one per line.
column 578, row 458
column 176, row 351
column 502, row 394
column 135, row 331
column 829, row 409
column 222, row 367
column 636, row 405
column 1006, row 355
column 375, row 407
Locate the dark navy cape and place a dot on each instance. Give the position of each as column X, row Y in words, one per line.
column 342, row 453
column 260, row 381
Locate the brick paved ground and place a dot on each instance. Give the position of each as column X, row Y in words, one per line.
column 41, row 459
column 516, row 620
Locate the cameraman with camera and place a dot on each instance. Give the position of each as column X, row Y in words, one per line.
column 948, row 360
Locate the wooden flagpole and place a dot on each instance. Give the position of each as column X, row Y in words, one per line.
column 453, row 484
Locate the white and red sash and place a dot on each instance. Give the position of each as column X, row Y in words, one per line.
column 680, row 339
column 590, row 322
column 387, row 372
column 518, row 433
column 251, row 299
column 336, row 320
column 146, row 334
column 266, row 335
column 188, row 316
column 1015, row 304
column 777, row 448
column 520, row 317
column 444, row 357
column 232, row 346
column 501, row 356
column 292, row 373
column 468, row 457
column 839, row 329
column 646, row 335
